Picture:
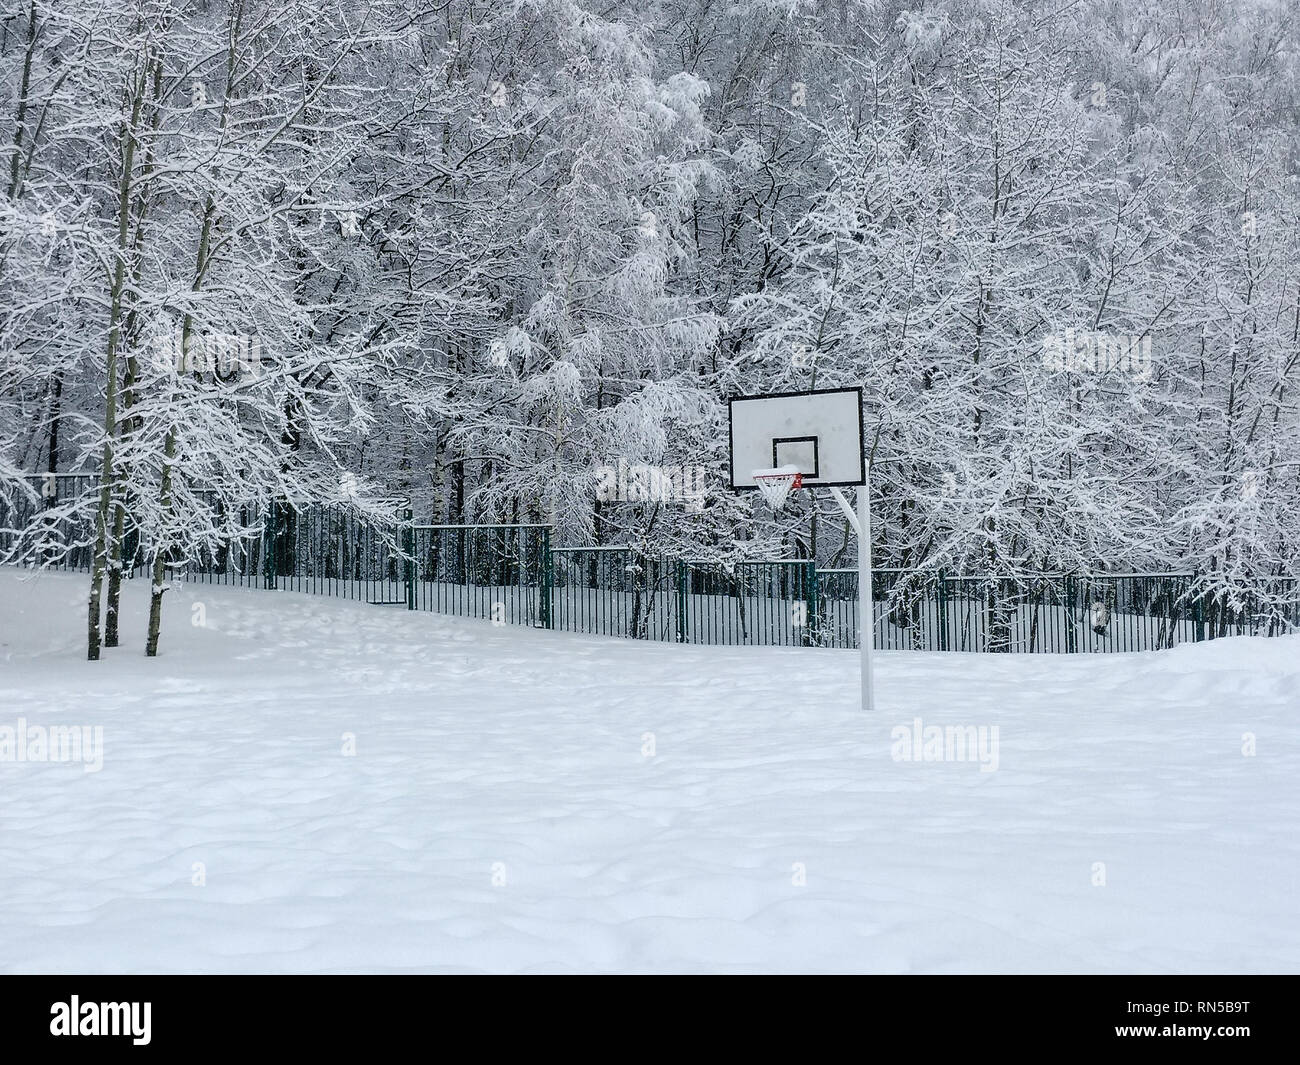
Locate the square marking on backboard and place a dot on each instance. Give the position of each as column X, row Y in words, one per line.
column 799, row 451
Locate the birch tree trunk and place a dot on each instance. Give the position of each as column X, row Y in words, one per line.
column 101, row 552
column 132, row 374
column 157, row 583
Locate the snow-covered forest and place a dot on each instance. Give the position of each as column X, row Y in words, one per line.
column 473, row 253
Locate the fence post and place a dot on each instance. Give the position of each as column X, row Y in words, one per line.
column 681, row 600
column 1071, row 631
column 811, row 631
column 1198, row 614
column 546, row 580
column 942, row 597
column 268, row 547
column 408, row 549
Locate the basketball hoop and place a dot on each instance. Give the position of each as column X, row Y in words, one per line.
column 815, row 439
column 777, row 484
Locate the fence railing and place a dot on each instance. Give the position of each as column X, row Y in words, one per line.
column 481, row 571
column 1057, row 613
column 769, row 603
column 512, row 574
column 612, row 591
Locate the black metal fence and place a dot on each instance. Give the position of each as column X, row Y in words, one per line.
column 497, row 572
column 769, row 603
column 512, row 574
column 612, row 591
column 1056, row 613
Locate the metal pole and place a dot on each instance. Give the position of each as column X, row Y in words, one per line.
column 408, row 548
column 861, row 522
column 866, row 611
column 547, row 579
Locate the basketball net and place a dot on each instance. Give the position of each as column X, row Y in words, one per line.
column 776, row 485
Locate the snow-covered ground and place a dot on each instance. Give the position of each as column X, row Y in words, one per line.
column 502, row 813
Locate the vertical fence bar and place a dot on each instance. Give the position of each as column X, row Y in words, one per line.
column 941, row 608
column 1071, row 625
column 812, row 628
column 268, row 547
column 546, row 579
column 681, row 600
column 408, row 549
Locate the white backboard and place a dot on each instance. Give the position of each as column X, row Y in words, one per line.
column 818, row 431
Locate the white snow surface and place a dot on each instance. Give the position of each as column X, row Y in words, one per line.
column 478, row 745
